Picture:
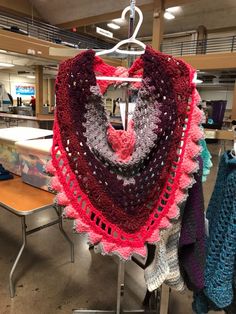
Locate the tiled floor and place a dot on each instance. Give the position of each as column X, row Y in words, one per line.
column 48, row 283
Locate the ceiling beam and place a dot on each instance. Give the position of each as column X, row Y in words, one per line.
column 223, row 29
column 158, row 23
column 149, row 7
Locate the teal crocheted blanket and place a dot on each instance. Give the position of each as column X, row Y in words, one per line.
column 221, row 244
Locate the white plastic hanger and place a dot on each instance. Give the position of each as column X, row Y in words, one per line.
column 131, row 40
column 118, row 78
column 69, row 52
column 116, row 49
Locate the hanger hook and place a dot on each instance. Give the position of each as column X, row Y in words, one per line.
column 131, row 39
column 139, row 22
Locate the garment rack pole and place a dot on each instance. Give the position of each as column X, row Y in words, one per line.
column 120, row 299
column 161, row 303
column 129, row 58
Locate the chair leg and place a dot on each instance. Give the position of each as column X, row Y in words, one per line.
column 11, row 284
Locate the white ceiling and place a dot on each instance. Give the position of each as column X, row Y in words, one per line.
column 212, row 14
column 60, row 11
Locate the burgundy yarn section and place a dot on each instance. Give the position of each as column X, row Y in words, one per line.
column 169, row 82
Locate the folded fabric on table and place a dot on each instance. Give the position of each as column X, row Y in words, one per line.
column 5, row 174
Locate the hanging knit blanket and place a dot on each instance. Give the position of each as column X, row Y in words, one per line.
column 123, row 187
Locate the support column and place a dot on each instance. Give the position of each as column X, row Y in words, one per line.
column 201, row 39
column 51, row 92
column 158, row 23
column 233, row 116
column 39, row 88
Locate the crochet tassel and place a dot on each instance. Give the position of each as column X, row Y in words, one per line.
column 69, row 212
column 62, row 199
column 49, row 168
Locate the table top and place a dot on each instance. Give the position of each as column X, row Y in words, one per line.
column 41, row 117
column 17, row 116
column 18, row 133
column 23, row 199
column 219, row 134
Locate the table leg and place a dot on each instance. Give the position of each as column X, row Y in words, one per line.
column 65, row 235
column 11, row 284
column 68, row 240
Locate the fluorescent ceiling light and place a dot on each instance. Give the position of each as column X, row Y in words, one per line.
column 169, row 16
column 119, row 21
column 104, row 32
column 173, row 9
column 113, row 25
column 6, row 65
column 30, row 76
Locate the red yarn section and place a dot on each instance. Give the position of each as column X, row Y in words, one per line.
column 121, row 141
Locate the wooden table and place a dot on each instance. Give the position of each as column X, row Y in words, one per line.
column 23, row 200
column 222, row 135
column 219, row 134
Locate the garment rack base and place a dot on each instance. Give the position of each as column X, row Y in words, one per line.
column 161, row 303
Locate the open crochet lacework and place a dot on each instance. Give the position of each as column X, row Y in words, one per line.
column 123, row 187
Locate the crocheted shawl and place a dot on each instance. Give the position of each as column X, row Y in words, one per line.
column 123, row 187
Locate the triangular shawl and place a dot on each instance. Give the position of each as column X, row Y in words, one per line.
column 123, row 187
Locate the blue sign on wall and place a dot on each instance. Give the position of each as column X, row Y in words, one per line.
column 25, row 90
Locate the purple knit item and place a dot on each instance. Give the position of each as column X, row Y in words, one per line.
column 192, row 237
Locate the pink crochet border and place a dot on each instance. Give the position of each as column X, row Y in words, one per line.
column 111, row 238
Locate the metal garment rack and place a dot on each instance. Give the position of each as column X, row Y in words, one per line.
column 161, row 307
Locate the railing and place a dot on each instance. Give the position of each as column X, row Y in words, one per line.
column 211, row 45
column 40, row 30
column 44, row 31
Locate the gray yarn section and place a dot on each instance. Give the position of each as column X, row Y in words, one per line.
column 174, row 278
column 165, row 265
column 146, row 118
